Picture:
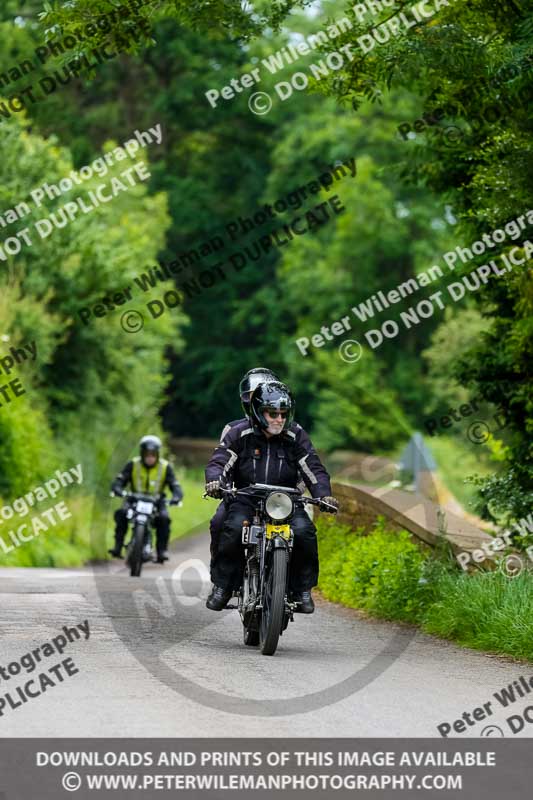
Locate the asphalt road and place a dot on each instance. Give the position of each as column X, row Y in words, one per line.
column 158, row 663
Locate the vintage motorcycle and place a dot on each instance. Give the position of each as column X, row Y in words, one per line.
column 264, row 603
column 141, row 512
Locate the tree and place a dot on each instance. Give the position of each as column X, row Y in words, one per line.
column 85, row 375
column 470, row 65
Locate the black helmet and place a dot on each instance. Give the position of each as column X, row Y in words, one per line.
column 251, row 380
column 149, row 444
column 274, row 395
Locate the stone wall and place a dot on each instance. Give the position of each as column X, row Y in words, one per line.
column 361, row 506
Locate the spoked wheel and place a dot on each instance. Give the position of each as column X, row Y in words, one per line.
column 135, row 551
column 273, row 603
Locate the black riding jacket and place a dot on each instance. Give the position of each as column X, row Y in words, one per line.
column 245, row 455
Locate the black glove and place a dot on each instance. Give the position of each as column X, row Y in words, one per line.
column 331, row 501
column 118, row 492
column 175, row 501
column 212, row 489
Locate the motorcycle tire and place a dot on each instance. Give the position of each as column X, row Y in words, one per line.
column 273, row 606
column 135, row 559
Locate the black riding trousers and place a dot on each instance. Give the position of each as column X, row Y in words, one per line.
column 228, row 562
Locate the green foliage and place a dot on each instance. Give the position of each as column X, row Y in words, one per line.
column 448, row 343
column 211, row 177
column 466, row 59
column 380, row 573
column 88, row 533
column 25, row 455
column 387, row 575
column 387, row 234
column 501, row 497
column 351, row 405
column 216, row 17
column 84, row 375
column 216, row 165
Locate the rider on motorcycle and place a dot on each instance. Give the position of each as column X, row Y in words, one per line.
column 251, row 381
column 147, row 473
column 264, row 449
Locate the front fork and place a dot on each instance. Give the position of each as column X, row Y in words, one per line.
column 257, row 547
column 290, row 606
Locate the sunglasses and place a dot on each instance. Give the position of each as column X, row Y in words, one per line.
column 275, row 414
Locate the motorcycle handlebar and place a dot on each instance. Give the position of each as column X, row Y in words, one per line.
column 315, row 501
column 127, row 495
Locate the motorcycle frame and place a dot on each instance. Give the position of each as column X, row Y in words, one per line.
column 266, row 547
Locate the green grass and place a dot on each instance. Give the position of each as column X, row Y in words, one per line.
column 88, row 533
column 195, row 512
column 486, row 611
column 388, row 576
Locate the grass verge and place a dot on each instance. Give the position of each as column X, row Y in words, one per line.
column 388, row 576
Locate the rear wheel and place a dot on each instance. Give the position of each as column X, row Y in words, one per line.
column 273, row 602
column 135, row 555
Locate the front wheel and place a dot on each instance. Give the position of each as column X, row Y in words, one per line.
column 135, row 551
column 273, row 602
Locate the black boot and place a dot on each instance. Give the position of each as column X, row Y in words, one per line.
column 218, row 598
column 116, row 551
column 305, row 602
column 162, row 556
